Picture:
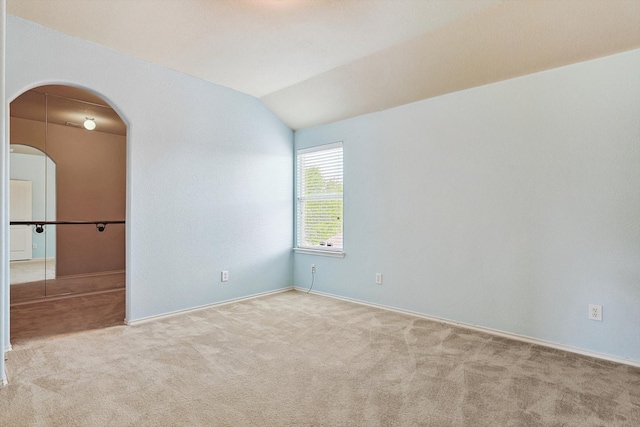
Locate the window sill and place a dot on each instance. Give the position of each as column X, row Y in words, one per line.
column 320, row 252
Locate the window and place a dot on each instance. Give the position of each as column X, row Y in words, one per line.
column 319, row 195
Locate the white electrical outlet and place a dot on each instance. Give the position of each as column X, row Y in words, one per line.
column 34, row 246
column 595, row 312
column 224, row 277
column 313, row 268
column 378, row 278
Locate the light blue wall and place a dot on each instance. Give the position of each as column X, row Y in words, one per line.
column 209, row 172
column 510, row 206
column 4, row 203
column 33, row 168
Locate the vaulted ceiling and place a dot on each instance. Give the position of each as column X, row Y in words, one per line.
column 318, row 61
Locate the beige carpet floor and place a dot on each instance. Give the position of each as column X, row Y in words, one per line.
column 293, row 359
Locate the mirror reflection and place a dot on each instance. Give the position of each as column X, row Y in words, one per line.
column 67, row 165
column 33, row 197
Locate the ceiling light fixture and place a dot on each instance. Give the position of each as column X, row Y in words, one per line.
column 89, row 124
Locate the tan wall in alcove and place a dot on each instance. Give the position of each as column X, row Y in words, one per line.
column 91, row 186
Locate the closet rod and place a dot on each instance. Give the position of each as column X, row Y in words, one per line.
column 100, row 225
column 74, row 99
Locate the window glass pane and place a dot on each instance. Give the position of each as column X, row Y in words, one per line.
column 319, row 188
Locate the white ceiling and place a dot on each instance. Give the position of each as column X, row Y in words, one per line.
column 318, row 61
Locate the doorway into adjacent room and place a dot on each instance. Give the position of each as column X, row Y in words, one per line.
column 67, row 212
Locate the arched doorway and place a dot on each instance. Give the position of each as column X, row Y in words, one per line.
column 74, row 276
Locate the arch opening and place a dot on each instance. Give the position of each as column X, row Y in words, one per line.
column 74, row 277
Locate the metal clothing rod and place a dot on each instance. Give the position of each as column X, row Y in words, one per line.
column 100, row 225
column 74, row 99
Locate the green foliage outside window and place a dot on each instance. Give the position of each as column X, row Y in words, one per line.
column 323, row 216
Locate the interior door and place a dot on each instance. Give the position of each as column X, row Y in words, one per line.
column 20, row 239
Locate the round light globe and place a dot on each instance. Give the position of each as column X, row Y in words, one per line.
column 89, row 124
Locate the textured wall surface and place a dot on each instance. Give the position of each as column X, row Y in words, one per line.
column 4, row 203
column 209, row 172
column 511, row 206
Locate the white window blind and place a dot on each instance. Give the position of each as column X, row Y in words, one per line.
column 319, row 194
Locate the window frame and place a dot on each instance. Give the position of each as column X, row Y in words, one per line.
column 299, row 247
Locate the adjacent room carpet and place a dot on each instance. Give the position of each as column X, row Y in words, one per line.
column 293, row 359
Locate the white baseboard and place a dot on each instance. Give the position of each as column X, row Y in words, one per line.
column 496, row 332
column 202, row 307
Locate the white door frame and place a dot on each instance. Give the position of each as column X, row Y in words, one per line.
column 20, row 209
